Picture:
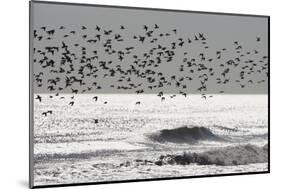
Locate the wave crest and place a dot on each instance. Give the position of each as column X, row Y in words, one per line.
column 185, row 134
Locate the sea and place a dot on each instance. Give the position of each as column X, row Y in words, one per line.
column 109, row 139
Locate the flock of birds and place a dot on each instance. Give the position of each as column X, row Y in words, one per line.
column 78, row 61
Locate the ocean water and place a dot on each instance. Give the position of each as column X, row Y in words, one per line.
column 92, row 141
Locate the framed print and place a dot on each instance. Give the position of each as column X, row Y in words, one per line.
column 122, row 94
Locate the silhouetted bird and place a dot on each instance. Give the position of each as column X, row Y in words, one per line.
column 39, row 98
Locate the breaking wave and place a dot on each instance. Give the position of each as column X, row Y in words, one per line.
column 227, row 156
column 185, row 134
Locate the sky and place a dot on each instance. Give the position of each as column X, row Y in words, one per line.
column 220, row 31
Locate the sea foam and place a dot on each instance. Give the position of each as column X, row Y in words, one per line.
column 232, row 155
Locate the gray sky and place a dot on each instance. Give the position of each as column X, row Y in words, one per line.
column 220, row 32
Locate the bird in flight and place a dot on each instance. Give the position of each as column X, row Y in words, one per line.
column 95, row 98
column 38, row 97
column 93, row 59
column 47, row 112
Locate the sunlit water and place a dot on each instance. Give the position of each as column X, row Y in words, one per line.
column 87, row 142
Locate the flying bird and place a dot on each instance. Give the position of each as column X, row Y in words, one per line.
column 38, row 97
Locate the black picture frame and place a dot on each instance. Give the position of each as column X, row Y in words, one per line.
column 31, row 97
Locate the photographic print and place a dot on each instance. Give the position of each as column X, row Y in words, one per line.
column 122, row 94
